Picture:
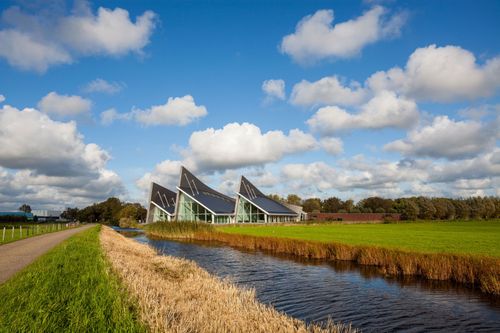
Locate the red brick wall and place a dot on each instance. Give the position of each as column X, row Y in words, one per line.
column 352, row 216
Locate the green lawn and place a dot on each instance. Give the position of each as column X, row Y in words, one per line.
column 459, row 237
column 70, row 289
column 26, row 230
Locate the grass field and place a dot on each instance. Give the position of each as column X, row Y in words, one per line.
column 21, row 231
column 479, row 238
column 70, row 289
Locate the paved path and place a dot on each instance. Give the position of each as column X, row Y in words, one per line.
column 19, row 254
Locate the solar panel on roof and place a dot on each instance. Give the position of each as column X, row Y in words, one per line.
column 208, row 197
column 254, row 195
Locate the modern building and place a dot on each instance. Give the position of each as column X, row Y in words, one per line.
column 198, row 202
column 161, row 204
column 252, row 206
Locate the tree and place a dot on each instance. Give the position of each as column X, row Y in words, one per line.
column 312, row 204
column 407, row 207
column 70, row 214
column 25, row 208
column 294, row 199
column 275, row 197
column 331, row 205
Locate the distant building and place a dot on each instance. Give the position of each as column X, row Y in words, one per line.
column 47, row 215
column 254, row 206
column 198, row 202
column 195, row 201
column 161, row 204
column 15, row 216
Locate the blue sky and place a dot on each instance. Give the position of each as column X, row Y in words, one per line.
column 325, row 123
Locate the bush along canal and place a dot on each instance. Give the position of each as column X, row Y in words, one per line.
column 318, row 290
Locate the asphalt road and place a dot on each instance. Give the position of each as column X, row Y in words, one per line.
column 17, row 255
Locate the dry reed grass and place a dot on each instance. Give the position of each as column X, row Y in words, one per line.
column 483, row 273
column 175, row 295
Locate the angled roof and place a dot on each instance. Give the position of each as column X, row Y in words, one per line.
column 206, row 196
column 252, row 193
column 163, row 198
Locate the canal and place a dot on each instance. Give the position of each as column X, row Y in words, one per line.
column 344, row 291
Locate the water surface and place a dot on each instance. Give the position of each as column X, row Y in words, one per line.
column 346, row 292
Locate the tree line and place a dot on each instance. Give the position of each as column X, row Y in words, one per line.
column 110, row 211
column 410, row 208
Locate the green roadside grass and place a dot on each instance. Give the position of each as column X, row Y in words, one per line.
column 71, row 289
column 27, row 230
column 476, row 238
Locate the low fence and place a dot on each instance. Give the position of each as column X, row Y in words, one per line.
column 351, row 217
column 9, row 233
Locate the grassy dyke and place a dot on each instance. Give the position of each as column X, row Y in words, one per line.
column 27, row 230
column 475, row 271
column 70, row 289
column 180, row 230
column 481, row 238
column 176, row 295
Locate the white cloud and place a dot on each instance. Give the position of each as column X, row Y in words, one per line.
column 165, row 173
column 315, row 38
column 31, row 140
column 332, row 146
column 41, row 39
column 237, row 145
column 386, row 109
column 26, row 52
column 274, row 88
column 64, row 105
column 441, row 74
column 2, row 98
column 178, row 111
column 109, row 32
column 110, row 115
column 446, row 138
column 49, row 164
column 103, row 86
column 328, row 90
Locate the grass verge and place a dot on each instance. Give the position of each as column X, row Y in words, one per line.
column 71, row 289
column 176, row 295
column 475, row 271
column 15, row 232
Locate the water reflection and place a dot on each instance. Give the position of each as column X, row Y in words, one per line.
column 346, row 292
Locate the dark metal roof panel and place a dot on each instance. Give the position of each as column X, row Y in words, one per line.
column 208, row 197
column 272, row 207
column 252, row 193
column 163, row 197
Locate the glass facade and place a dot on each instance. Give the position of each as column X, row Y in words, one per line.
column 190, row 210
column 159, row 215
column 248, row 213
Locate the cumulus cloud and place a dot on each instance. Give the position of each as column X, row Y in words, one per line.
column 165, row 173
column 31, row 140
column 237, row 145
column 2, row 98
column 360, row 177
column 274, row 89
column 48, row 163
column 332, row 146
column 385, row 109
column 103, row 86
column 39, row 40
column 329, row 91
column 316, row 38
column 178, row 111
column 441, row 74
column 446, row 138
column 64, row 105
column 111, row 115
